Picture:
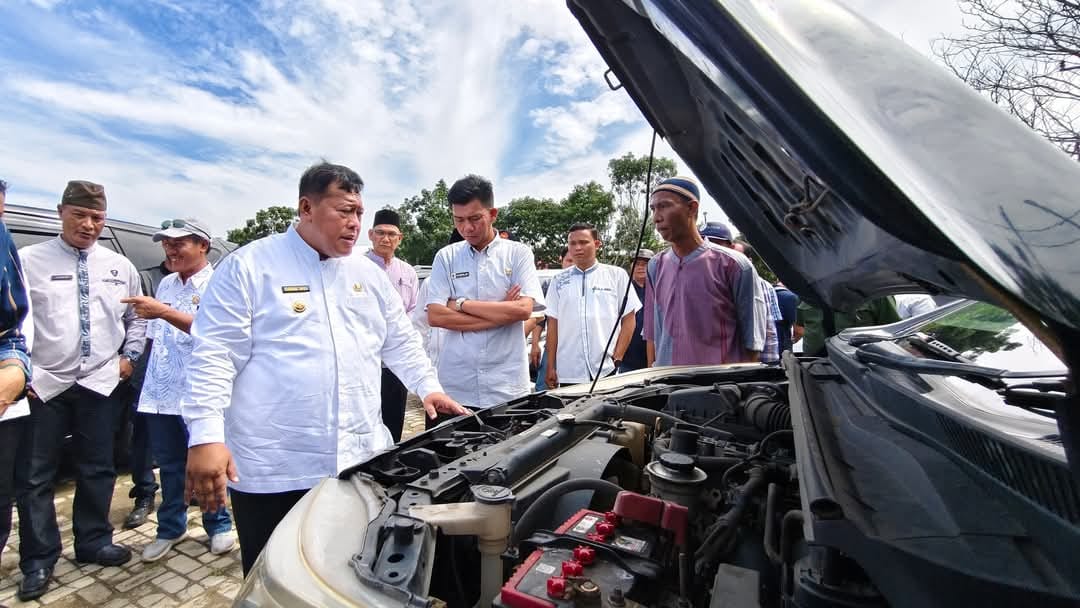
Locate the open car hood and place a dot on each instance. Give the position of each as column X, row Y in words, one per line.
column 856, row 166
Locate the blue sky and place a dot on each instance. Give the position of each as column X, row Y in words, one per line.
column 213, row 109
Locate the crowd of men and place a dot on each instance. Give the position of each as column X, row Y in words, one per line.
column 292, row 360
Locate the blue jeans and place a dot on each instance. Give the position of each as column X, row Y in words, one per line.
column 142, row 465
column 169, row 443
column 541, row 381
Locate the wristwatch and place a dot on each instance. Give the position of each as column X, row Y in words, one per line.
column 457, row 304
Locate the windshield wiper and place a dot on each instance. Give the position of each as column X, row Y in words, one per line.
column 878, row 354
column 1040, row 396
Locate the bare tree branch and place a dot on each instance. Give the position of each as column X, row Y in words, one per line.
column 1025, row 56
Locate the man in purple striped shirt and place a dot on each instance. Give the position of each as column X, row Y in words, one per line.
column 699, row 297
column 385, row 236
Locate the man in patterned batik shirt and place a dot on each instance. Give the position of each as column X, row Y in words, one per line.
column 186, row 243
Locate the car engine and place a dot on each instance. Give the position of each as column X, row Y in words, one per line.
column 667, row 494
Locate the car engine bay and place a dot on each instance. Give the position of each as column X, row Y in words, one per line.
column 665, row 494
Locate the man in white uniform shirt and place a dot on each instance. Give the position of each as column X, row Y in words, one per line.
column 584, row 304
column 186, row 243
column 482, row 290
column 283, row 382
column 86, row 341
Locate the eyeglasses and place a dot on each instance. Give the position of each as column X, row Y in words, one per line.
column 183, row 224
column 379, row 234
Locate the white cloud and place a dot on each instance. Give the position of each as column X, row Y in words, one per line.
column 404, row 92
column 572, row 129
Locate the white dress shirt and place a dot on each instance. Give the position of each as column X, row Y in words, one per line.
column 586, row 304
column 166, row 371
column 912, row 304
column 286, row 365
column 489, row 367
column 433, row 337
column 52, row 276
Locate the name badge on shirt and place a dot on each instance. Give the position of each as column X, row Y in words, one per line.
column 460, row 275
column 61, row 277
column 113, row 281
column 295, row 289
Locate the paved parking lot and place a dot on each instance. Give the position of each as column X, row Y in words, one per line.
column 190, row 576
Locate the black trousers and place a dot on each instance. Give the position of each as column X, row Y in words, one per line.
column 91, row 420
column 394, row 395
column 142, row 464
column 10, row 433
column 256, row 516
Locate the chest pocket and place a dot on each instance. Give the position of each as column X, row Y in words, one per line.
column 287, row 314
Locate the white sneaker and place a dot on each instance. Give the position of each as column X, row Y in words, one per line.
column 157, row 549
column 222, row 543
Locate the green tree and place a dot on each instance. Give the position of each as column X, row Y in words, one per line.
column 542, row 223
column 272, row 220
column 426, row 223
column 628, row 174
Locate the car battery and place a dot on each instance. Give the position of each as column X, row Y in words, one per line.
column 558, row 578
column 610, row 529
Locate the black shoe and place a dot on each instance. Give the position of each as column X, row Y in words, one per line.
column 143, row 508
column 109, row 555
column 34, row 584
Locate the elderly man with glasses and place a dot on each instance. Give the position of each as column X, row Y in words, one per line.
column 186, row 243
column 385, row 236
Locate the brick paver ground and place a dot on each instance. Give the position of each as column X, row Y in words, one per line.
column 189, row 577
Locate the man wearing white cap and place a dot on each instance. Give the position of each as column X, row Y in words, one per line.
column 186, row 243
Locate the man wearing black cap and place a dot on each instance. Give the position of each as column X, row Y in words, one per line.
column 86, row 342
column 385, row 236
column 699, row 298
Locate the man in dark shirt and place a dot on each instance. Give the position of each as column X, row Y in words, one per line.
column 14, row 368
column 789, row 305
column 635, row 356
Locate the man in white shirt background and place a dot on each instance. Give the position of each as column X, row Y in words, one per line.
column 186, row 243
column 482, row 290
column 385, row 236
column 913, row 304
column 86, row 341
column 584, row 305
column 283, row 381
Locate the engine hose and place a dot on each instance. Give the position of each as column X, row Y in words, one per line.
column 727, row 522
column 791, row 518
column 542, row 506
column 758, row 453
column 713, row 464
column 770, row 524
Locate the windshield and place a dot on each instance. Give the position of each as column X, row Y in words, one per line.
column 990, row 336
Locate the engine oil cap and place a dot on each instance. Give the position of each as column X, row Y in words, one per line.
column 682, row 463
column 492, row 495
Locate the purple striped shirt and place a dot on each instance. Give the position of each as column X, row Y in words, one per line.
column 402, row 276
column 700, row 310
